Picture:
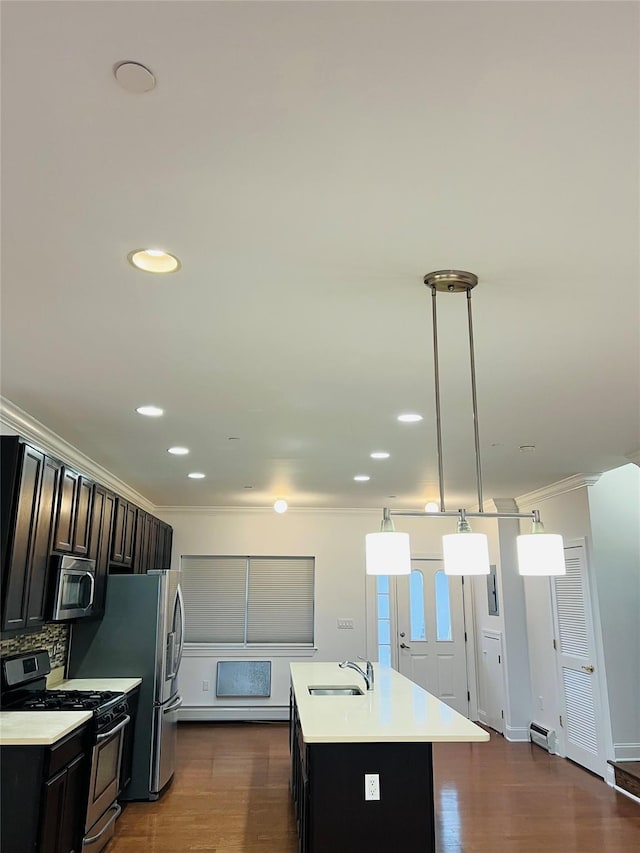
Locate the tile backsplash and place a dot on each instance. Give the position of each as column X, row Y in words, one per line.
column 54, row 637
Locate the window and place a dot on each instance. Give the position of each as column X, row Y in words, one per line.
column 416, row 606
column 248, row 600
column 443, row 607
column 384, row 620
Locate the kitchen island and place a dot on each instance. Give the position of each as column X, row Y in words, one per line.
column 361, row 761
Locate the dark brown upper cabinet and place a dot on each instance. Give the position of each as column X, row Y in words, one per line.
column 102, row 523
column 29, row 486
column 73, row 514
column 123, row 533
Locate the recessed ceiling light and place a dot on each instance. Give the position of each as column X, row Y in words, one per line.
column 410, row 418
column 134, row 77
column 380, row 455
column 196, row 475
column 154, row 260
column 150, row 411
column 431, row 506
column 281, row 506
column 361, row 478
column 178, row 451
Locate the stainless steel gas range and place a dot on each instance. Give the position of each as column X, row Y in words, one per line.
column 24, row 689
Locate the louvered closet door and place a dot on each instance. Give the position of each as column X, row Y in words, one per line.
column 576, row 663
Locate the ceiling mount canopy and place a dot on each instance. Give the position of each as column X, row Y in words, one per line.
column 465, row 553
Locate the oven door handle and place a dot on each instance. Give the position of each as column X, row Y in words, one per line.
column 114, row 730
column 116, row 808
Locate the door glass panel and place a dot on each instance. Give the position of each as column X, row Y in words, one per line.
column 384, row 620
column 108, row 758
column 416, row 606
column 443, row 608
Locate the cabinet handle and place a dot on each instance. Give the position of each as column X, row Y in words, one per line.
column 589, row 668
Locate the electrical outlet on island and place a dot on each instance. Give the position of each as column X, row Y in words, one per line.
column 372, row 786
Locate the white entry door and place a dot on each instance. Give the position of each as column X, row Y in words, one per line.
column 431, row 632
column 575, row 647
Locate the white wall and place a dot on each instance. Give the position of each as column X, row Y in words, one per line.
column 336, row 539
column 567, row 514
column 614, row 503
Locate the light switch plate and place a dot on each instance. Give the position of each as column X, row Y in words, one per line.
column 345, row 623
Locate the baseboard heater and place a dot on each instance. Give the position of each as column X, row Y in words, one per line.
column 545, row 738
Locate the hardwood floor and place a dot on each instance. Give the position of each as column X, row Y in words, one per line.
column 231, row 794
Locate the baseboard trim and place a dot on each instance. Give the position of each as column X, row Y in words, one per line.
column 516, row 734
column 220, row 715
column 626, row 793
column 626, row 751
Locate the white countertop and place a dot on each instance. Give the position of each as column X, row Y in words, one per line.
column 38, row 728
column 395, row 710
column 44, row 728
column 118, row 685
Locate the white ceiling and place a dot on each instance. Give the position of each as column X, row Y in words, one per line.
column 309, row 162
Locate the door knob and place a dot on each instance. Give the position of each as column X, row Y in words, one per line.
column 404, row 646
column 589, row 668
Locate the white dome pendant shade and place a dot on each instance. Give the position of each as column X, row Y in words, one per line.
column 540, row 553
column 387, row 552
column 464, row 552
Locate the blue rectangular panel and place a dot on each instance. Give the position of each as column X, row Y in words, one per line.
column 243, row 678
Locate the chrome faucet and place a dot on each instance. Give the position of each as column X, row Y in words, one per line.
column 368, row 675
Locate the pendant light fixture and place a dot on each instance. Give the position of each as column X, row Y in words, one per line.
column 464, row 552
column 388, row 552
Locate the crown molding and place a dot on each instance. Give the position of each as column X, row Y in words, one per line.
column 37, row 433
column 570, row 484
column 268, row 510
column 634, row 457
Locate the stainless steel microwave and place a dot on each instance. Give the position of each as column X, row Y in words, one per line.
column 74, row 587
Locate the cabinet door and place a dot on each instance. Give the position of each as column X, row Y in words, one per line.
column 52, row 810
column 16, row 584
column 67, row 500
column 154, row 529
column 129, row 534
column 73, row 807
column 82, row 517
column 39, row 559
column 117, row 548
column 102, row 515
column 140, row 549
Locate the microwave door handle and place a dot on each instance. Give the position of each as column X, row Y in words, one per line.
column 92, row 591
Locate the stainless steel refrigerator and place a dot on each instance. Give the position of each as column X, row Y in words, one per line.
column 140, row 635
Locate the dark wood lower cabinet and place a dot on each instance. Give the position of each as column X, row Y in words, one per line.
column 43, row 796
column 328, row 788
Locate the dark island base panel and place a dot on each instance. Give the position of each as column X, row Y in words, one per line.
column 340, row 820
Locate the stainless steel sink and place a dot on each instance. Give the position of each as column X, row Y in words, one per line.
column 337, row 690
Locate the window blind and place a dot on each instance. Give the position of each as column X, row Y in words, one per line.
column 248, row 600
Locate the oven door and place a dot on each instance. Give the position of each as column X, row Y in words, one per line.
column 104, row 783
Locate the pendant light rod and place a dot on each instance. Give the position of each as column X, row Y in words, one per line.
column 474, row 401
column 436, row 375
column 462, row 514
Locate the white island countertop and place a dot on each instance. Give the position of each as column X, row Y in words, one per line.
column 396, row 710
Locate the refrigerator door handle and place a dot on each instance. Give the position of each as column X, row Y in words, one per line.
column 181, row 644
column 174, row 706
column 171, row 656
